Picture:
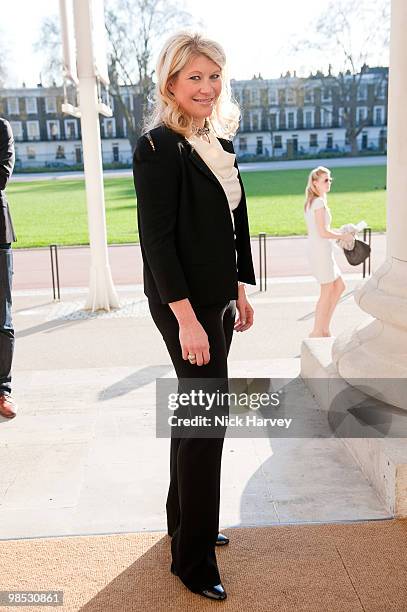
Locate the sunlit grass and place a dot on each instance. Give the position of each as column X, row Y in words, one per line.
column 54, row 211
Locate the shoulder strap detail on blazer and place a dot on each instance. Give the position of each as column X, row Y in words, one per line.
column 148, row 135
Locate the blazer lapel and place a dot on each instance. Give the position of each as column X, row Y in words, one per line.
column 199, row 163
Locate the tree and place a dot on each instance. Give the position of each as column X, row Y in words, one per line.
column 135, row 28
column 351, row 34
column 3, row 60
column 50, row 42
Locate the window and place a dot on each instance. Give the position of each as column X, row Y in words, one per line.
column 264, row 97
column 31, row 153
column 329, row 140
column 360, row 115
column 71, row 129
column 259, row 145
column 381, row 90
column 326, row 93
column 378, row 118
column 313, row 140
column 272, row 96
column 278, row 142
column 107, row 99
column 364, row 141
column 31, row 106
column 242, row 144
column 255, row 122
column 326, row 118
column 255, row 96
column 128, row 101
column 17, row 129
column 308, row 96
column 109, row 128
column 60, row 154
column 12, row 106
column 51, row 104
column 53, row 130
column 290, row 120
column 308, row 119
column 33, row 130
column 273, row 121
column 290, row 95
column 362, row 92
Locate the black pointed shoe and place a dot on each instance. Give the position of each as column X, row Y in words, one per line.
column 221, row 540
column 216, row 592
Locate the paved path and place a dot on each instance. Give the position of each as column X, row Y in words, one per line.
column 81, row 455
column 339, row 162
column 285, row 257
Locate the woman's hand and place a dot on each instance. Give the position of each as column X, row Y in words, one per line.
column 192, row 336
column 246, row 312
column 194, row 339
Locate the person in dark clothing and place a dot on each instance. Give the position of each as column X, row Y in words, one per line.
column 7, row 236
column 195, row 244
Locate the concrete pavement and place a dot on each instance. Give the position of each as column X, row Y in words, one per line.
column 81, row 455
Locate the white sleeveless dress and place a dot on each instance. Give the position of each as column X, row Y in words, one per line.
column 320, row 251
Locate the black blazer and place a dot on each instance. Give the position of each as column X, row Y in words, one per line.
column 186, row 233
column 6, row 168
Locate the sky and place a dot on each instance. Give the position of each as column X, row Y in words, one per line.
column 256, row 34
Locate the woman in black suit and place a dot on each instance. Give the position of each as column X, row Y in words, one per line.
column 195, row 244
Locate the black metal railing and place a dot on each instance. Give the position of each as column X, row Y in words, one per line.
column 55, row 270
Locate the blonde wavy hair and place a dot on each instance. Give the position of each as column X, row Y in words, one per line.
column 310, row 191
column 175, row 54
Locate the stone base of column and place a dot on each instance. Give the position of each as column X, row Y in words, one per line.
column 382, row 460
column 378, row 350
column 102, row 294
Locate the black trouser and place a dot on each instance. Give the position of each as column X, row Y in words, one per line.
column 195, row 463
column 6, row 323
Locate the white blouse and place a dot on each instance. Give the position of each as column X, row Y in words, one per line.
column 221, row 163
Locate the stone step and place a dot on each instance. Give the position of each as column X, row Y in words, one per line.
column 382, row 460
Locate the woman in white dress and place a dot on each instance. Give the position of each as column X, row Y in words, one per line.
column 321, row 249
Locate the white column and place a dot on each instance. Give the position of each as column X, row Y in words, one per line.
column 102, row 294
column 379, row 349
column 397, row 130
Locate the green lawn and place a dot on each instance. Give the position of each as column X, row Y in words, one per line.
column 51, row 211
